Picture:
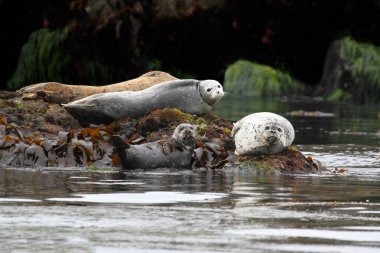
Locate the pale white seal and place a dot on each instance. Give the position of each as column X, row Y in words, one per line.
column 190, row 96
column 262, row 133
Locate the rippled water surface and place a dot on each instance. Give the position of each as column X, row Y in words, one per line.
column 77, row 210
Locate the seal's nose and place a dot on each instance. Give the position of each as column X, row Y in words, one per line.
column 272, row 139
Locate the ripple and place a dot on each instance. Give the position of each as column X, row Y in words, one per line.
column 18, row 200
column 358, row 236
column 153, row 197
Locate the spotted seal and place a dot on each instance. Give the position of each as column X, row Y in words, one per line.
column 189, row 95
column 177, row 152
column 262, row 133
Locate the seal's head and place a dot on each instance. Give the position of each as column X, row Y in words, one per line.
column 273, row 134
column 185, row 134
column 211, row 91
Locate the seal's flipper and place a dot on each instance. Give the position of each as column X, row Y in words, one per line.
column 120, row 146
column 167, row 148
column 235, row 129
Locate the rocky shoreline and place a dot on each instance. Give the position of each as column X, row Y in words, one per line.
column 36, row 131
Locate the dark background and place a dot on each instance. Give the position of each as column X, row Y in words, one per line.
column 292, row 35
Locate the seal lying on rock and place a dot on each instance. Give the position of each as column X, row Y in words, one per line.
column 60, row 93
column 262, row 133
column 177, row 152
column 190, row 96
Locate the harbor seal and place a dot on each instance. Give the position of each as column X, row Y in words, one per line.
column 177, row 152
column 262, row 133
column 189, row 95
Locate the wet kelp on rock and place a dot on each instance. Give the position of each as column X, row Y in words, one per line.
column 92, row 147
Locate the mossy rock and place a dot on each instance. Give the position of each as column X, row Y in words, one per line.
column 253, row 79
column 351, row 73
column 48, row 56
column 41, row 58
column 208, row 124
column 167, row 118
column 291, row 161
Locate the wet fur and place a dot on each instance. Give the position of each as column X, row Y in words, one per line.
column 177, row 152
column 262, row 133
column 190, row 96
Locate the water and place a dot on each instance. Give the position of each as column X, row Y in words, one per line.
column 75, row 210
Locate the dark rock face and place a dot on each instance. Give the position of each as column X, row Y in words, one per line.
column 111, row 41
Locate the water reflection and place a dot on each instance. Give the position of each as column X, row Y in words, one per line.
column 190, row 210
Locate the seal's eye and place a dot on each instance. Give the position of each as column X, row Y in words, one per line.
column 218, row 86
column 209, row 89
column 279, row 129
column 267, row 128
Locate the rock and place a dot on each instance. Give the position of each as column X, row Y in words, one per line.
column 34, row 132
column 92, row 146
column 351, row 73
column 253, row 79
column 290, row 161
column 178, row 9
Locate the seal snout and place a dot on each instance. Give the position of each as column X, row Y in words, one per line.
column 272, row 139
column 188, row 135
column 188, row 132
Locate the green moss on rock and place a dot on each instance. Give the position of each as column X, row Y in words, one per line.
column 48, row 56
column 291, row 161
column 351, row 72
column 41, row 58
column 339, row 95
column 253, row 79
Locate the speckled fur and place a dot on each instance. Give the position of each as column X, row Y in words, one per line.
column 189, row 95
column 262, row 133
column 177, row 152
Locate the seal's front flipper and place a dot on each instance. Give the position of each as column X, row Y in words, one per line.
column 120, row 146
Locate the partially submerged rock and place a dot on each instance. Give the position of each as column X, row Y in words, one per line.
column 22, row 146
column 291, row 161
column 35, row 132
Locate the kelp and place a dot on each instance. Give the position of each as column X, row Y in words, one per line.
column 253, row 79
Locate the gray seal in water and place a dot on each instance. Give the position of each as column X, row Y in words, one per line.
column 262, row 133
column 189, row 95
column 177, row 152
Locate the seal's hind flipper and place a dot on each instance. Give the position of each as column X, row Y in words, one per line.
column 235, row 129
column 120, row 146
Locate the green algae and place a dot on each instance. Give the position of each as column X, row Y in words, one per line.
column 356, row 74
column 47, row 56
column 253, row 79
column 41, row 58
